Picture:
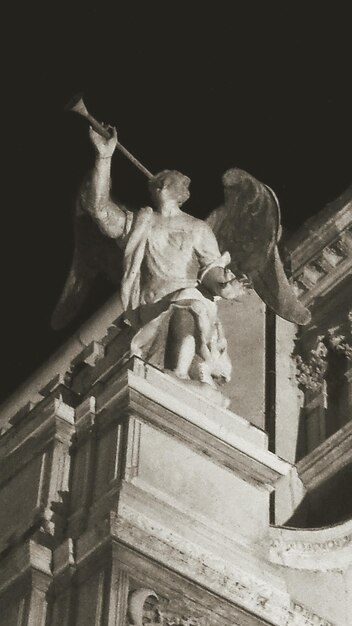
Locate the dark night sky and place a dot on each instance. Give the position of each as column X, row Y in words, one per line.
column 264, row 86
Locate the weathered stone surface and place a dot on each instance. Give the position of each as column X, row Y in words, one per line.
column 142, row 483
column 34, row 461
column 244, row 325
column 164, row 488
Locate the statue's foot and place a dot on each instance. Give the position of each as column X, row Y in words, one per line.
column 178, row 374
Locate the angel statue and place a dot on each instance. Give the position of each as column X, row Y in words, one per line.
column 171, row 268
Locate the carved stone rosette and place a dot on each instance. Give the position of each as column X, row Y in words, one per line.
column 145, row 608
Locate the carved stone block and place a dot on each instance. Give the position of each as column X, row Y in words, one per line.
column 34, row 459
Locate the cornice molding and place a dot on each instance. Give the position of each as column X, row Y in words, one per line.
column 82, row 346
column 327, row 459
column 251, row 599
column 322, row 549
column 228, row 439
column 321, row 229
column 327, row 268
column 321, row 251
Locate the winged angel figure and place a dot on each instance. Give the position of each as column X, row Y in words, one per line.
column 171, row 268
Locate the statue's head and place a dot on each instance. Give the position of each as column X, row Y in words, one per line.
column 169, row 185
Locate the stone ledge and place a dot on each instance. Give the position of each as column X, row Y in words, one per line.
column 232, row 592
column 326, row 460
column 321, row 251
column 165, row 516
column 53, row 420
column 21, row 559
column 228, row 439
column 318, row 549
column 95, row 328
column 321, row 230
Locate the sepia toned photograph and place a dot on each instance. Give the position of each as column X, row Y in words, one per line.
column 176, row 266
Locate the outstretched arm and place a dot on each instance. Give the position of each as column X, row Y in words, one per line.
column 112, row 219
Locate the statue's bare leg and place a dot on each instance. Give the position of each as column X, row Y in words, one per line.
column 180, row 349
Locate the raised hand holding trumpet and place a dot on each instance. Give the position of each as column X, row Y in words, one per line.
column 106, row 132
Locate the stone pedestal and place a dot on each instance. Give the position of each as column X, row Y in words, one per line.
column 137, row 500
column 177, row 501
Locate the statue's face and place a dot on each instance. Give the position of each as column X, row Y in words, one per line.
column 173, row 193
column 179, row 192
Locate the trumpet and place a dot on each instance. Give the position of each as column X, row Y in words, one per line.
column 77, row 105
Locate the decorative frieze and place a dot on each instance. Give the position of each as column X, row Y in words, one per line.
column 316, row 547
column 301, row 616
column 152, row 610
column 165, row 614
column 162, row 612
column 321, row 252
column 317, row 550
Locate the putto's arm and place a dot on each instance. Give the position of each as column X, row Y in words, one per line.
column 112, row 219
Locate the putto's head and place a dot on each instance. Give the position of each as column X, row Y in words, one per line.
column 169, row 185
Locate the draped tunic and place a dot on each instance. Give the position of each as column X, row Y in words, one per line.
column 165, row 261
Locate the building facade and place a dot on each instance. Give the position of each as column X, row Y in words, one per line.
column 126, row 498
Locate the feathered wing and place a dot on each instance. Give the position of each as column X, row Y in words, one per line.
column 248, row 225
column 73, row 296
column 94, row 254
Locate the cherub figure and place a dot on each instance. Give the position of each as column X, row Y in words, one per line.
column 173, row 270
